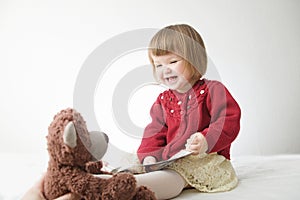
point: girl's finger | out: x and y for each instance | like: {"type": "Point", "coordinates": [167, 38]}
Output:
{"type": "Point", "coordinates": [69, 196]}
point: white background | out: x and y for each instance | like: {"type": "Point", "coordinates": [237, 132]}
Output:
{"type": "Point", "coordinates": [254, 45]}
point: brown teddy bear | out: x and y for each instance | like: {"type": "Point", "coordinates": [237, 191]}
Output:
{"type": "Point", "coordinates": [73, 159]}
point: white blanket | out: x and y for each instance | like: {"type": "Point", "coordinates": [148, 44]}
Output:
{"type": "Point", "coordinates": [260, 177]}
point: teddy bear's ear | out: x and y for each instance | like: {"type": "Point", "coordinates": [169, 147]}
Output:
{"type": "Point", "coordinates": [70, 136]}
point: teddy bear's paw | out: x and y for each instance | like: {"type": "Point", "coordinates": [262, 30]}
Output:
{"type": "Point", "coordinates": [144, 193]}
{"type": "Point", "coordinates": [94, 167]}
{"type": "Point", "coordinates": [90, 197]}
{"type": "Point", "coordinates": [122, 186]}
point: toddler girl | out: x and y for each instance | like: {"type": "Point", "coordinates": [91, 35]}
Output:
{"type": "Point", "coordinates": [195, 114]}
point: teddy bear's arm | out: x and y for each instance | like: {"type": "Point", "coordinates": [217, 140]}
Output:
{"type": "Point", "coordinates": [96, 168]}
{"type": "Point", "coordinates": [85, 184]}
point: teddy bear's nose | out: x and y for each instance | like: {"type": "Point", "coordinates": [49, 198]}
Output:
{"type": "Point", "coordinates": [106, 137]}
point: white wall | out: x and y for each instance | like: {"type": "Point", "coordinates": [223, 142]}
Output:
{"type": "Point", "coordinates": [254, 45]}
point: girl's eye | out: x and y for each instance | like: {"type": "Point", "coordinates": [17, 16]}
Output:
{"type": "Point", "coordinates": [173, 62]}
{"type": "Point", "coordinates": [157, 66]}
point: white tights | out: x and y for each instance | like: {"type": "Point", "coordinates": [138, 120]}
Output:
{"type": "Point", "coordinates": [165, 184]}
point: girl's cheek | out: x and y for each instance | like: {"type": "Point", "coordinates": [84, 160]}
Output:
{"type": "Point", "coordinates": [179, 70]}
{"type": "Point", "coordinates": [187, 75]}
{"type": "Point", "coordinates": [158, 76]}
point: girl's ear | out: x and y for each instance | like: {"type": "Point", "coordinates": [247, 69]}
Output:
{"type": "Point", "coordinates": [70, 135]}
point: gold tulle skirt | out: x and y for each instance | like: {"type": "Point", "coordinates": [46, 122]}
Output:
{"type": "Point", "coordinates": [206, 173]}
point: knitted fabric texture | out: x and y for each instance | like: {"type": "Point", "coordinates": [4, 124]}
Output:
{"type": "Point", "coordinates": [207, 173]}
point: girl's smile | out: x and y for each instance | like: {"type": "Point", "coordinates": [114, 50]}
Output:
{"type": "Point", "coordinates": [171, 79]}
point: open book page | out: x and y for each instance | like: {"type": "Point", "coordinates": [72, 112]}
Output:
{"type": "Point", "coordinates": [140, 168]}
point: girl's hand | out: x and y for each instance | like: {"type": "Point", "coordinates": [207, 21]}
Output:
{"type": "Point", "coordinates": [149, 160]}
{"type": "Point", "coordinates": [196, 144]}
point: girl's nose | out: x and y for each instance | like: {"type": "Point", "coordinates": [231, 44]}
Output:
{"type": "Point", "coordinates": [167, 69]}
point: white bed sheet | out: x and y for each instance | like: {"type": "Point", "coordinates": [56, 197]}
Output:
{"type": "Point", "coordinates": [260, 177]}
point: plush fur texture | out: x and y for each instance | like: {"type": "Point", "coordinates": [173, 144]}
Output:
{"type": "Point", "coordinates": [71, 169]}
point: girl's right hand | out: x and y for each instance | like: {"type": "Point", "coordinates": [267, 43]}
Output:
{"type": "Point", "coordinates": [197, 144]}
{"type": "Point", "coordinates": [149, 160]}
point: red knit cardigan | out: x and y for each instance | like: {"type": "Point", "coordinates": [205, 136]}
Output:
{"type": "Point", "coordinates": [207, 107]}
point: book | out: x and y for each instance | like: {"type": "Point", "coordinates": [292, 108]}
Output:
{"type": "Point", "coordinates": [142, 168]}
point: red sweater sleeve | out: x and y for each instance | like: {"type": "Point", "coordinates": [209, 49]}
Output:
{"type": "Point", "coordinates": [154, 137]}
{"type": "Point", "coordinates": [225, 118]}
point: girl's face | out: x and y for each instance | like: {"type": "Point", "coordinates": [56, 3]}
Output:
{"type": "Point", "coordinates": [170, 70]}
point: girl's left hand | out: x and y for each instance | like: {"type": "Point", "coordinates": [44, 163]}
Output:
{"type": "Point", "coordinates": [197, 144]}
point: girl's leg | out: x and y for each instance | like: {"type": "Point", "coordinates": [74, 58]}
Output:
{"type": "Point", "coordinates": [165, 184]}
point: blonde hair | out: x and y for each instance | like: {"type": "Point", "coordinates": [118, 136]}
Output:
{"type": "Point", "coordinates": [186, 42]}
